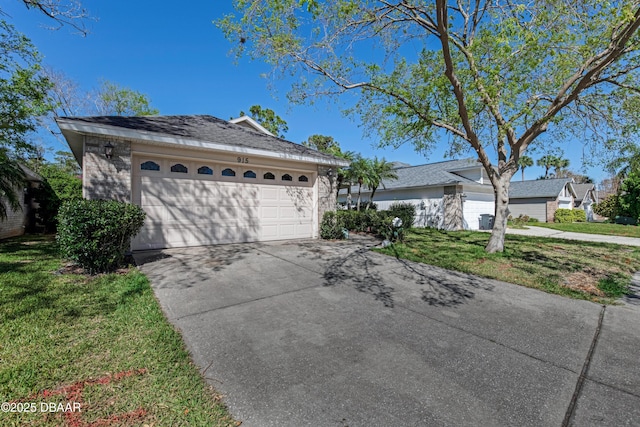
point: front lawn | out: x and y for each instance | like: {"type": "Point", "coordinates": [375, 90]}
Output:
{"type": "Point", "coordinates": [100, 346]}
{"type": "Point", "coordinates": [595, 271]}
{"type": "Point", "coordinates": [593, 228]}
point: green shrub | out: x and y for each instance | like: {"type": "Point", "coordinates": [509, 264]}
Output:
{"type": "Point", "coordinates": [349, 219]}
{"type": "Point", "coordinates": [405, 211]}
{"type": "Point", "coordinates": [579, 215]}
{"type": "Point", "coordinates": [96, 233]}
{"type": "Point", "coordinates": [332, 225]}
{"type": "Point", "coordinates": [570, 215]}
{"type": "Point", "coordinates": [360, 221]}
{"type": "Point", "coordinates": [563, 216]}
{"type": "Point", "coordinates": [390, 229]}
{"type": "Point", "coordinates": [520, 221]}
{"type": "Point", "coordinates": [609, 207]}
{"type": "Point", "coordinates": [533, 220]}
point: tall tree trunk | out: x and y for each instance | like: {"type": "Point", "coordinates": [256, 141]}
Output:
{"type": "Point", "coordinates": [373, 192]}
{"type": "Point", "coordinates": [523, 174]}
{"type": "Point", "coordinates": [501, 191]}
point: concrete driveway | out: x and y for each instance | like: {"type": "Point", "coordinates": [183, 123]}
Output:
{"type": "Point", "coordinates": [331, 334]}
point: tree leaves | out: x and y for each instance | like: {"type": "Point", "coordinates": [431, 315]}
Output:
{"type": "Point", "coordinates": [23, 90]}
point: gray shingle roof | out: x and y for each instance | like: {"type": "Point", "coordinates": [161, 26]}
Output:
{"type": "Point", "coordinates": [581, 191]}
{"type": "Point", "coordinates": [431, 174]}
{"type": "Point", "coordinates": [202, 128]}
{"type": "Point", "coordinates": [537, 188]}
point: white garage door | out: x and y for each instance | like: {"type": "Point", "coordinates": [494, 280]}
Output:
{"type": "Point", "coordinates": [193, 209]}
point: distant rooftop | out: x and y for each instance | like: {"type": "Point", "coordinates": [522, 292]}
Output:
{"type": "Point", "coordinates": [537, 188]}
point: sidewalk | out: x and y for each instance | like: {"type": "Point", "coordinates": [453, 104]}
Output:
{"type": "Point", "coordinates": [547, 232]}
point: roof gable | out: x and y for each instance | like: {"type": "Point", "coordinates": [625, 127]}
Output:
{"type": "Point", "coordinates": [248, 122]}
{"type": "Point", "coordinates": [582, 190]}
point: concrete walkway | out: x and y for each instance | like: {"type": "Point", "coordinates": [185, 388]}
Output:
{"type": "Point", "coordinates": [547, 232]}
{"type": "Point", "coordinates": [317, 333]}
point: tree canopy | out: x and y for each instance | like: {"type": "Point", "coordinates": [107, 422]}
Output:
{"type": "Point", "coordinates": [113, 99]}
{"type": "Point", "coordinates": [323, 143]}
{"type": "Point", "coordinates": [269, 119]}
{"type": "Point", "coordinates": [70, 13]}
{"type": "Point", "coordinates": [23, 90]}
{"type": "Point", "coordinates": [493, 75]}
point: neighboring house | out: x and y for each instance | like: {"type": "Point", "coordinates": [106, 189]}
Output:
{"type": "Point", "coordinates": [541, 198]}
{"type": "Point", "coordinates": [18, 221]}
{"type": "Point", "coordinates": [452, 195]}
{"type": "Point", "coordinates": [586, 196]}
{"type": "Point", "coordinates": [202, 180]}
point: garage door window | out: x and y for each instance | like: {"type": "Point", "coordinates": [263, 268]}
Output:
{"type": "Point", "coordinates": [205, 170]}
{"type": "Point", "coordinates": [287, 177]}
{"type": "Point", "coordinates": [303, 178]}
{"type": "Point", "coordinates": [149, 166]}
{"type": "Point", "coordinates": [228, 172]}
{"type": "Point", "coordinates": [269, 175]}
{"type": "Point", "coordinates": [249, 174]}
{"type": "Point", "coordinates": [179, 168]}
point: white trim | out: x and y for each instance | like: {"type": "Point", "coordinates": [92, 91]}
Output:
{"type": "Point", "coordinates": [171, 140]}
{"type": "Point", "coordinates": [257, 126]}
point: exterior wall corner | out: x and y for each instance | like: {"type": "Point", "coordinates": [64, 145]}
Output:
{"type": "Point", "coordinates": [103, 178]}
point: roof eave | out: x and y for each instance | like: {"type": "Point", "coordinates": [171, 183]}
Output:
{"type": "Point", "coordinates": [71, 127]}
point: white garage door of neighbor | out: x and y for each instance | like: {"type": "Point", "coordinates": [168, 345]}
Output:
{"type": "Point", "coordinates": [190, 212]}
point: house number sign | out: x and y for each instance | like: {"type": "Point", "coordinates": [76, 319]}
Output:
{"type": "Point", "coordinates": [242, 159]}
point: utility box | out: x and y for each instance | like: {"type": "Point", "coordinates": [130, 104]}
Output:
{"type": "Point", "coordinates": [486, 221]}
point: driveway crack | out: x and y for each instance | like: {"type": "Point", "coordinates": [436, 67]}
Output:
{"type": "Point", "coordinates": [583, 374]}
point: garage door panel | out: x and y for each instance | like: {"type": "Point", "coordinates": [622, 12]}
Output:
{"type": "Point", "coordinates": [287, 213]}
{"type": "Point", "coordinates": [303, 230]}
{"type": "Point", "coordinates": [269, 212]}
{"type": "Point", "coordinates": [287, 230]}
{"type": "Point", "coordinates": [269, 193]}
{"type": "Point", "coordinates": [186, 212]}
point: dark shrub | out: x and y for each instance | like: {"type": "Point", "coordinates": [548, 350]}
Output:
{"type": "Point", "coordinates": [405, 211]}
{"type": "Point", "coordinates": [349, 219]}
{"type": "Point", "coordinates": [332, 225]}
{"type": "Point", "coordinates": [96, 233]}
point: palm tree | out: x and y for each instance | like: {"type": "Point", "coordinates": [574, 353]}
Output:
{"type": "Point", "coordinates": [342, 174]}
{"type": "Point", "coordinates": [12, 178]}
{"type": "Point", "coordinates": [548, 161]}
{"type": "Point", "coordinates": [524, 162]}
{"type": "Point", "coordinates": [380, 170]}
{"type": "Point", "coordinates": [627, 160]}
{"type": "Point", "coordinates": [359, 171]}
{"type": "Point", "coordinates": [560, 165]}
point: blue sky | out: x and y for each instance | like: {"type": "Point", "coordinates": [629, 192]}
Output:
{"type": "Point", "coordinates": [172, 52]}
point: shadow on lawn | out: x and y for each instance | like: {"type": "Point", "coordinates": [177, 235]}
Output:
{"type": "Point", "coordinates": [375, 273]}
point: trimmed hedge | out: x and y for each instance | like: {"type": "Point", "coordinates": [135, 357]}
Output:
{"type": "Point", "coordinates": [332, 225]}
{"type": "Point", "coordinates": [96, 233]}
{"type": "Point", "coordinates": [570, 215]}
{"type": "Point", "coordinates": [405, 211]}
{"type": "Point", "coordinates": [377, 222]}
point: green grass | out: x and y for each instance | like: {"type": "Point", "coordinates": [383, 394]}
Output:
{"type": "Point", "coordinates": [593, 228]}
{"type": "Point", "coordinates": [104, 338]}
{"type": "Point", "coordinates": [594, 271]}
